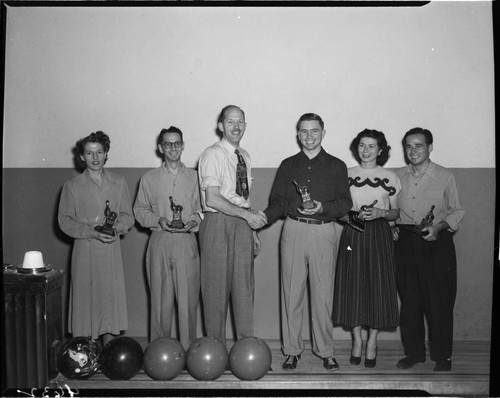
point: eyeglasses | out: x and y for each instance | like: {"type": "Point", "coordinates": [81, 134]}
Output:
{"type": "Point", "coordinates": [170, 145]}
{"type": "Point", "coordinates": [313, 132]}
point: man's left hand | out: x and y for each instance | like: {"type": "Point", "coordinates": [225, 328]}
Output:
{"type": "Point", "coordinates": [256, 244]}
{"type": "Point", "coordinates": [318, 208]}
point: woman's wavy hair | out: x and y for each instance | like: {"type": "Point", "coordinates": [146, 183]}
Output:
{"type": "Point", "coordinates": [99, 137]}
{"type": "Point", "coordinates": [381, 142]}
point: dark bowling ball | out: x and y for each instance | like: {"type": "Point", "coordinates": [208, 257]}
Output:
{"type": "Point", "coordinates": [164, 359]}
{"type": "Point", "coordinates": [79, 358]}
{"type": "Point", "coordinates": [121, 358]}
{"type": "Point", "coordinates": [250, 358]}
{"type": "Point", "coordinates": [207, 358]}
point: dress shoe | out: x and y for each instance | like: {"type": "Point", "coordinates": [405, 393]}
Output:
{"type": "Point", "coordinates": [330, 363]}
{"type": "Point", "coordinates": [443, 365]}
{"type": "Point", "coordinates": [409, 362]}
{"type": "Point", "coordinates": [355, 360]}
{"type": "Point", "coordinates": [370, 363]}
{"type": "Point", "coordinates": [291, 362]}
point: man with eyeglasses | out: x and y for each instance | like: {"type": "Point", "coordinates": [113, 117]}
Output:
{"type": "Point", "coordinates": [172, 258]}
{"type": "Point", "coordinates": [309, 239]}
{"type": "Point", "coordinates": [227, 242]}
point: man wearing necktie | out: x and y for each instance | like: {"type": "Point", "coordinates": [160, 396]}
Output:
{"type": "Point", "coordinates": [227, 243]}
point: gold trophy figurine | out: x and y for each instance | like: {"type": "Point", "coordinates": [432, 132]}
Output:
{"type": "Point", "coordinates": [305, 195]}
{"type": "Point", "coordinates": [177, 222]}
{"type": "Point", "coordinates": [357, 223]}
{"type": "Point", "coordinates": [426, 222]}
{"type": "Point", "coordinates": [107, 227]}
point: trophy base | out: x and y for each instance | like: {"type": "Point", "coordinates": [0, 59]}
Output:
{"type": "Point", "coordinates": [105, 230]}
{"type": "Point", "coordinates": [307, 205]}
{"type": "Point", "coordinates": [355, 222]}
{"type": "Point", "coordinates": [358, 225]}
{"type": "Point", "coordinates": [176, 224]}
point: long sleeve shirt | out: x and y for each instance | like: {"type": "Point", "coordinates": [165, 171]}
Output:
{"type": "Point", "coordinates": [326, 178]}
{"type": "Point", "coordinates": [156, 187]}
{"type": "Point", "coordinates": [437, 186]}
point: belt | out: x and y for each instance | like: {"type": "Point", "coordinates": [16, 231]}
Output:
{"type": "Point", "coordinates": [406, 225]}
{"type": "Point", "coordinates": [310, 220]}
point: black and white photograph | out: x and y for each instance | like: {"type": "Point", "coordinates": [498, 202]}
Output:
{"type": "Point", "coordinates": [226, 198]}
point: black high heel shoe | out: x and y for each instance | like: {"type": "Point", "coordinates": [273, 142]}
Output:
{"type": "Point", "coordinates": [370, 363]}
{"type": "Point", "coordinates": [356, 360]}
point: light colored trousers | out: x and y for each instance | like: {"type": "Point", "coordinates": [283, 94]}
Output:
{"type": "Point", "coordinates": [308, 250]}
{"type": "Point", "coordinates": [173, 269]}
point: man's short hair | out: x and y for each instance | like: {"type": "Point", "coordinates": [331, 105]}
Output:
{"type": "Point", "coordinates": [171, 129]}
{"type": "Point", "coordinates": [419, 130]}
{"type": "Point", "coordinates": [310, 116]}
{"type": "Point", "coordinates": [222, 114]}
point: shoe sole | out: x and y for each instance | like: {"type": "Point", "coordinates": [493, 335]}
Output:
{"type": "Point", "coordinates": [409, 367]}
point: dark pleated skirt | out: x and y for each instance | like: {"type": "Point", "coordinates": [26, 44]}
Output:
{"type": "Point", "coordinates": [365, 282]}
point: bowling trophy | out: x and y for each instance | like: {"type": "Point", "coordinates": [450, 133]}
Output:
{"type": "Point", "coordinates": [357, 223]}
{"type": "Point", "coordinates": [107, 227]}
{"type": "Point", "coordinates": [177, 215]}
{"type": "Point", "coordinates": [305, 195]}
{"type": "Point", "coordinates": [426, 222]}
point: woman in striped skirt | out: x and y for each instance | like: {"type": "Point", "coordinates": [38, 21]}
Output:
{"type": "Point", "coordinates": [365, 283]}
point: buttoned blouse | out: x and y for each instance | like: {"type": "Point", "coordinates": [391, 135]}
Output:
{"type": "Point", "coordinates": [435, 187]}
{"type": "Point", "coordinates": [217, 168]}
{"type": "Point", "coordinates": [156, 187]}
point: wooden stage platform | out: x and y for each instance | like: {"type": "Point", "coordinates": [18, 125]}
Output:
{"type": "Point", "coordinates": [470, 376]}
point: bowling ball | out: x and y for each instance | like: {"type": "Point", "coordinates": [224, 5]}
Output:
{"type": "Point", "coordinates": [250, 358]}
{"type": "Point", "coordinates": [206, 359]}
{"type": "Point", "coordinates": [121, 358]}
{"type": "Point", "coordinates": [79, 358]}
{"type": "Point", "coordinates": [164, 359]}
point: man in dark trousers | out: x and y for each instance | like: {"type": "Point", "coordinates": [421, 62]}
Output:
{"type": "Point", "coordinates": [310, 191]}
{"type": "Point", "coordinates": [430, 213]}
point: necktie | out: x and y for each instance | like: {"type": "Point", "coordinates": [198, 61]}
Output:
{"type": "Point", "coordinates": [241, 176]}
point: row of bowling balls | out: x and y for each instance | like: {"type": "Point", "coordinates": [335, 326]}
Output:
{"type": "Point", "coordinates": [164, 359]}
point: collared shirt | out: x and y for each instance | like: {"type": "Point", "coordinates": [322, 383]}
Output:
{"type": "Point", "coordinates": [326, 178]}
{"type": "Point", "coordinates": [217, 168]}
{"type": "Point", "coordinates": [83, 203]}
{"type": "Point", "coordinates": [436, 186]}
{"type": "Point", "coordinates": [155, 188]}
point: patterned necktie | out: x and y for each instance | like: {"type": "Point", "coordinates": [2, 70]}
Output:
{"type": "Point", "coordinates": [241, 176]}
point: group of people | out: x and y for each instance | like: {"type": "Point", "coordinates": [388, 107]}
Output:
{"type": "Point", "coordinates": [359, 236]}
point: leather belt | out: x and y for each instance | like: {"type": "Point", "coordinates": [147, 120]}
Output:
{"type": "Point", "coordinates": [406, 225]}
{"type": "Point", "coordinates": [310, 220]}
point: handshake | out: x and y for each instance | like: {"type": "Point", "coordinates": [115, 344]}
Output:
{"type": "Point", "coordinates": [256, 219]}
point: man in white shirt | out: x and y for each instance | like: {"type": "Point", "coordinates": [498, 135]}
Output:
{"type": "Point", "coordinates": [227, 243]}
